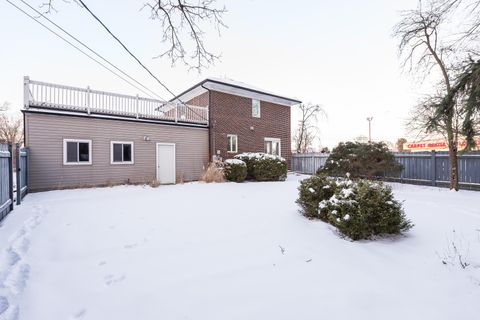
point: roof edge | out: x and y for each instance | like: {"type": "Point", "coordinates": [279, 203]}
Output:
{"type": "Point", "coordinates": [234, 86]}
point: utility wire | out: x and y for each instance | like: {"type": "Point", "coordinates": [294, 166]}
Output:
{"type": "Point", "coordinates": [134, 57]}
{"type": "Point", "coordinates": [74, 46]}
{"type": "Point", "coordinates": [124, 47]}
{"type": "Point", "coordinates": [91, 50]}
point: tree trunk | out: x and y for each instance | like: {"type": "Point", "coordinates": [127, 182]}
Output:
{"type": "Point", "coordinates": [453, 156]}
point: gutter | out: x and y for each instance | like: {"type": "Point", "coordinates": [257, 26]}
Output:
{"type": "Point", "coordinates": [233, 86]}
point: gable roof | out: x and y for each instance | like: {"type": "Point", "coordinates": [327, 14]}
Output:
{"type": "Point", "coordinates": [236, 88]}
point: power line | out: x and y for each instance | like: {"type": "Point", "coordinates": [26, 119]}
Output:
{"type": "Point", "coordinates": [136, 59]}
{"type": "Point", "coordinates": [77, 48]}
{"type": "Point", "coordinates": [124, 47]}
{"type": "Point", "coordinates": [91, 50]}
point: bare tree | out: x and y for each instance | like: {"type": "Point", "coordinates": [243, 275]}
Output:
{"type": "Point", "coordinates": [361, 139]}
{"type": "Point", "coordinates": [468, 21]}
{"type": "Point", "coordinates": [400, 143]}
{"type": "Point", "coordinates": [182, 27]}
{"type": "Point", "coordinates": [11, 128]}
{"type": "Point", "coordinates": [307, 130]}
{"type": "Point", "coordinates": [422, 50]}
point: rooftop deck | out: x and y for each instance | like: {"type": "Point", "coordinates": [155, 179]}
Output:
{"type": "Point", "coordinates": [54, 97]}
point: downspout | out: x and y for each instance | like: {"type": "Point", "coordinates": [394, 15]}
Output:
{"type": "Point", "coordinates": [211, 138]}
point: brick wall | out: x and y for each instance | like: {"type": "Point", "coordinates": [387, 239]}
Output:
{"type": "Point", "coordinates": [230, 114]}
{"type": "Point", "coordinates": [200, 101]}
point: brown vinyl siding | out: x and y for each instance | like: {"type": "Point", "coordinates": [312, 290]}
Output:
{"type": "Point", "coordinates": [45, 133]}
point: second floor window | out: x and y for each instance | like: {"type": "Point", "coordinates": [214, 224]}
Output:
{"type": "Point", "coordinates": [255, 108]}
{"type": "Point", "coordinates": [232, 143]}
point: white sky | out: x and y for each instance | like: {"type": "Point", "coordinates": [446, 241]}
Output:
{"type": "Point", "coordinates": [339, 54]}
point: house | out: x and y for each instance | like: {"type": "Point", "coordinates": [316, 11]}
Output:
{"type": "Point", "coordinates": [243, 118]}
{"type": "Point", "coordinates": [81, 137]}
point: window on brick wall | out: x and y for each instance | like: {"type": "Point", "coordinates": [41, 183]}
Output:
{"type": "Point", "coordinates": [273, 146]}
{"type": "Point", "coordinates": [255, 108]}
{"type": "Point", "coordinates": [232, 143]}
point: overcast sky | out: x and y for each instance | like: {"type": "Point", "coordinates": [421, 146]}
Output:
{"type": "Point", "coordinates": [339, 54]}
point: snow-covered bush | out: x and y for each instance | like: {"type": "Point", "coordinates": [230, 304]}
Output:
{"type": "Point", "coordinates": [264, 167]}
{"type": "Point", "coordinates": [312, 191]}
{"type": "Point", "coordinates": [361, 160]}
{"type": "Point", "coordinates": [235, 170]}
{"type": "Point", "coordinates": [359, 209]}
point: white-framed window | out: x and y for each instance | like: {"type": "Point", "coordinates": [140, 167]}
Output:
{"type": "Point", "coordinates": [77, 152]}
{"type": "Point", "coordinates": [255, 108]}
{"type": "Point", "coordinates": [232, 143]}
{"type": "Point", "coordinates": [273, 146]}
{"type": "Point", "coordinates": [121, 152]}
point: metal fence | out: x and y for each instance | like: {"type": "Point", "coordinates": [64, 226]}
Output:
{"type": "Point", "coordinates": [430, 168]}
{"type": "Point", "coordinates": [8, 187]}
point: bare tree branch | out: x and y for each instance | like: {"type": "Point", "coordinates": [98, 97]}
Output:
{"type": "Point", "coordinates": [307, 129]}
{"type": "Point", "coordinates": [11, 127]}
{"type": "Point", "coordinates": [179, 17]}
{"type": "Point", "coordinates": [182, 27]}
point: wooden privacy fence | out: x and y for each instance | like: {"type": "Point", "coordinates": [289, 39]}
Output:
{"type": "Point", "coordinates": [430, 168]}
{"type": "Point", "coordinates": [433, 168]}
{"type": "Point", "coordinates": [22, 176]}
{"type": "Point", "coordinates": [7, 183]}
{"type": "Point", "coordinates": [6, 180]}
{"type": "Point", "coordinates": [308, 163]}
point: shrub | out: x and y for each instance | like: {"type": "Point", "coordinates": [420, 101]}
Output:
{"type": "Point", "coordinates": [213, 173]}
{"type": "Point", "coordinates": [359, 210]}
{"type": "Point", "coordinates": [248, 159]}
{"type": "Point", "coordinates": [264, 167]}
{"type": "Point", "coordinates": [361, 160]}
{"type": "Point", "coordinates": [312, 191]}
{"type": "Point", "coordinates": [154, 183]}
{"type": "Point", "coordinates": [235, 170]}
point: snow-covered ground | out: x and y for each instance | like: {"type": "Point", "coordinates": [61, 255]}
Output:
{"type": "Point", "coordinates": [232, 251]}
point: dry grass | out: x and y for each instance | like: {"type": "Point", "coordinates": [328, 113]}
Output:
{"type": "Point", "coordinates": [154, 183]}
{"type": "Point", "coordinates": [213, 173]}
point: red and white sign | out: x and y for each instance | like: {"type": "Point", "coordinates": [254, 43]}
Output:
{"type": "Point", "coordinates": [438, 145]}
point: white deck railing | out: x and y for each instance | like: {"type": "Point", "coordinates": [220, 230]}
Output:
{"type": "Point", "coordinates": [59, 97]}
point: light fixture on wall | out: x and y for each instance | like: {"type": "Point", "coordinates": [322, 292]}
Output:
{"type": "Point", "coordinates": [146, 138]}
{"type": "Point", "coordinates": [252, 128]}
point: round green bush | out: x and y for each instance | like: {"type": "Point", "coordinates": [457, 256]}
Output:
{"type": "Point", "coordinates": [312, 191]}
{"type": "Point", "coordinates": [248, 159]}
{"type": "Point", "coordinates": [361, 160]}
{"type": "Point", "coordinates": [359, 209]}
{"type": "Point", "coordinates": [235, 170]}
{"type": "Point", "coordinates": [264, 167]}
{"type": "Point", "coordinates": [364, 209]}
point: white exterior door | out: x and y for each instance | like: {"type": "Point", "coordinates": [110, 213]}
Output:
{"type": "Point", "coordinates": [166, 163]}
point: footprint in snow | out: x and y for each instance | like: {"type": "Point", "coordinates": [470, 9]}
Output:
{"type": "Point", "coordinates": [102, 263]}
{"type": "Point", "coordinates": [130, 246]}
{"type": "Point", "coordinates": [3, 304]}
{"type": "Point", "coordinates": [79, 314]}
{"type": "Point", "coordinates": [17, 279]}
{"type": "Point", "coordinates": [110, 279]}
